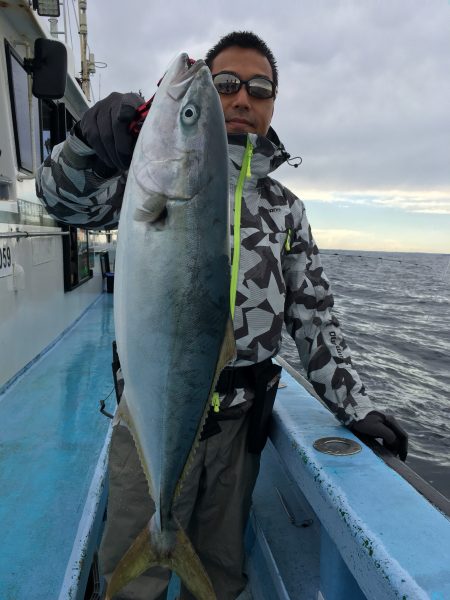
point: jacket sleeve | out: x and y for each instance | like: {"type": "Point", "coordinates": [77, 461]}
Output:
{"type": "Point", "coordinates": [78, 189]}
{"type": "Point", "coordinates": [316, 331]}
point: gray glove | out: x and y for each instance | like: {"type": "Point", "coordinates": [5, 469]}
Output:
{"type": "Point", "coordinates": [105, 128]}
{"type": "Point", "coordinates": [378, 425]}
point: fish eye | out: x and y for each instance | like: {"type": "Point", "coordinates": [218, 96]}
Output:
{"type": "Point", "coordinates": [189, 114]}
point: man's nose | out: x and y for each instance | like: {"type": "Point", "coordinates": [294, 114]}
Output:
{"type": "Point", "coordinates": [241, 99]}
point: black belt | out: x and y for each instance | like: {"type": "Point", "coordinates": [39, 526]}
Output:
{"type": "Point", "coordinates": [232, 378]}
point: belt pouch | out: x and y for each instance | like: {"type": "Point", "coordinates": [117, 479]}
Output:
{"type": "Point", "coordinates": [267, 376]}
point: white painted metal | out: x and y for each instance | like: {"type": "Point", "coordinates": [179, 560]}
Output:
{"type": "Point", "coordinates": [6, 258]}
{"type": "Point", "coordinates": [35, 308]}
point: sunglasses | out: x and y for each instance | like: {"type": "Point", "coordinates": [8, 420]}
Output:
{"type": "Point", "coordinates": [258, 87]}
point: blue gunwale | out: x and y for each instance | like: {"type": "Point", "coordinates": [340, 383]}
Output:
{"type": "Point", "coordinates": [393, 542]}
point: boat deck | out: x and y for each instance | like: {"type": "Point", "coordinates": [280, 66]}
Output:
{"type": "Point", "coordinates": [52, 461]}
{"type": "Point", "coordinates": [322, 527]}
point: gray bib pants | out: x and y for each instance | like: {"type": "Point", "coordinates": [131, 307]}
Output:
{"type": "Point", "coordinates": [213, 508]}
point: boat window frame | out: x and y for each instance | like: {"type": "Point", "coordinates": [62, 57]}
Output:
{"type": "Point", "coordinates": [71, 118]}
{"type": "Point", "coordinates": [10, 55]}
{"type": "Point", "coordinates": [54, 125]}
{"type": "Point", "coordinates": [71, 249]}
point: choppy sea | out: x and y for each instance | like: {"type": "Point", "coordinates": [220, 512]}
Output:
{"type": "Point", "coordinates": [394, 309]}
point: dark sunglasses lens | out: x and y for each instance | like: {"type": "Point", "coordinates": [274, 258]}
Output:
{"type": "Point", "coordinates": [260, 87]}
{"type": "Point", "coordinates": [225, 83]}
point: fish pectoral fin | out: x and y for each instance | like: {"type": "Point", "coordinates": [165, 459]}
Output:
{"type": "Point", "coordinates": [181, 558]}
{"type": "Point", "coordinates": [153, 209]}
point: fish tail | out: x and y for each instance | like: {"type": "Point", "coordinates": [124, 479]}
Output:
{"type": "Point", "coordinates": [180, 558]}
{"type": "Point", "coordinates": [186, 564]}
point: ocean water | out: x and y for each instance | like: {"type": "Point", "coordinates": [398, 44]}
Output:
{"type": "Point", "coordinates": [394, 310]}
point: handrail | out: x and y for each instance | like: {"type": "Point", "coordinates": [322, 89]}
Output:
{"type": "Point", "coordinates": [22, 234]}
{"type": "Point", "coordinates": [424, 488]}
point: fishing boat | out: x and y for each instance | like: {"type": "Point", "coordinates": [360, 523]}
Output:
{"type": "Point", "coordinates": [49, 277]}
{"type": "Point", "coordinates": [332, 519]}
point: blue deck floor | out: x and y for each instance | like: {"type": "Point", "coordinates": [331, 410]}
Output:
{"type": "Point", "coordinates": [51, 438]}
{"type": "Point", "coordinates": [369, 527]}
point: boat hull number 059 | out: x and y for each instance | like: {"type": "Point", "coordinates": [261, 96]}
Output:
{"type": "Point", "coordinates": [6, 259]}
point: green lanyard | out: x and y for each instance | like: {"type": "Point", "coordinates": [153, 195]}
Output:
{"type": "Point", "coordinates": [244, 173]}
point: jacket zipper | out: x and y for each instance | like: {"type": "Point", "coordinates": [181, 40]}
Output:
{"type": "Point", "coordinates": [245, 173]}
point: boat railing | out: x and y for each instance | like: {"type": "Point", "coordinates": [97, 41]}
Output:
{"type": "Point", "coordinates": [431, 494]}
{"type": "Point", "coordinates": [379, 537]}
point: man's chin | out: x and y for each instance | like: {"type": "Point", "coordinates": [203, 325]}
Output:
{"type": "Point", "coordinates": [239, 128]}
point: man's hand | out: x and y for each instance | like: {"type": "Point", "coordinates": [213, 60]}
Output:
{"type": "Point", "coordinates": [379, 425]}
{"type": "Point", "coordinates": [105, 128]}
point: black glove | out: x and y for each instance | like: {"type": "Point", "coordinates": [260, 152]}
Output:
{"type": "Point", "coordinates": [105, 128]}
{"type": "Point", "coordinates": [379, 425]}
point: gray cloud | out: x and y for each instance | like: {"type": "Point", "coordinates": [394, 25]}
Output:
{"type": "Point", "coordinates": [364, 86]}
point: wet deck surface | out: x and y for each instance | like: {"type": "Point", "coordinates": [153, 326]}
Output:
{"type": "Point", "coordinates": [52, 463]}
{"type": "Point", "coordinates": [51, 437]}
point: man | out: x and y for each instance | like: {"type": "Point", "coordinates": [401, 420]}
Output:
{"type": "Point", "coordinates": [279, 278]}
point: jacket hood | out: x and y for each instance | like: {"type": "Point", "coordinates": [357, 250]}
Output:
{"type": "Point", "coordinates": [268, 152]}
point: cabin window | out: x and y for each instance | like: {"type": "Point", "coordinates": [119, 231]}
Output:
{"type": "Point", "coordinates": [18, 86]}
{"type": "Point", "coordinates": [50, 135]}
{"type": "Point", "coordinates": [76, 251]}
{"type": "Point", "coordinates": [70, 121]}
{"type": "Point", "coordinates": [83, 254]}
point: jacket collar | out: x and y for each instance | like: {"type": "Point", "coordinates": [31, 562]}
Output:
{"type": "Point", "coordinates": [268, 152]}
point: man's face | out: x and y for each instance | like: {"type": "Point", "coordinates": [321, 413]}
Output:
{"type": "Point", "coordinates": [244, 113]}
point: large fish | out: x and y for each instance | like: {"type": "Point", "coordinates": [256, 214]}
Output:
{"type": "Point", "coordinates": [172, 314]}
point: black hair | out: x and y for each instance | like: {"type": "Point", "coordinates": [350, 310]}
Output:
{"type": "Point", "coordinates": [244, 39]}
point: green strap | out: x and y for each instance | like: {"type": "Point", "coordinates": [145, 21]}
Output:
{"type": "Point", "coordinates": [215, 402]}
{"type": "Point", "coordinates": [245, 172]}
{"type": "Point", "coordinates": [287, 243]}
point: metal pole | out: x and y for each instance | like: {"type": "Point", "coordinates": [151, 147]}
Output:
{"type": "Point", "coordinates": [65, 20]}
{"type": "Point", "coordinates": [82, 5]}
{"type": "Point", "coordinates": [27, 234]}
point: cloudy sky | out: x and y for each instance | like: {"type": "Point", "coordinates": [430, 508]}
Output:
{"type": "Point", "coordinates": [364, 98]}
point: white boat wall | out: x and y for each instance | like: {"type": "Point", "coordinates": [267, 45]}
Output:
{"type": "Point", "coordinates": [43, 287]}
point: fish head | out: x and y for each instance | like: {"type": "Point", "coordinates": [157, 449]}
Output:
{"type": "Point", "coordinates": [183, 134]}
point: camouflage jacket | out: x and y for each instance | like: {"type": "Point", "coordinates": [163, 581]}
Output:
{"type": "Point", "coordinates": [280, 277]}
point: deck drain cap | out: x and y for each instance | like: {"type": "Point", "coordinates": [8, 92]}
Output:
{"type": "Point", "coordinates": [337, 445]}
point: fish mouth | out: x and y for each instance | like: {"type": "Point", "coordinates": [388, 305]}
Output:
{"type": "Point", "coordinates": [182, 80]}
